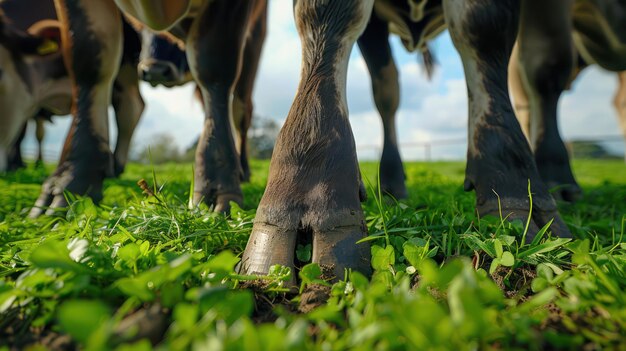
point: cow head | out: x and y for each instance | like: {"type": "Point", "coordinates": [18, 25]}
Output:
{"type": "Point", "coordinates": [163, 61]}
{"type": "Point", "coordinates": [31, 66]}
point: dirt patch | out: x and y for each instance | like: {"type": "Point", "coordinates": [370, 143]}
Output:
{"type": "Point", "coordinates": [266, 304]}
{"type": "Point", "coordinates": [313, 296]}
{"type": "Point", "coordinates": [514, 283]}
{"type": "Point", "coordinates": [149, 322]}
{"type": "Point", "coordinates": [17, 333]}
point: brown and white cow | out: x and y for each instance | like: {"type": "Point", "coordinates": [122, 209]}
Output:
{"type": "Point", "coordinates": [215, 33]}
{"type": "Point", "coordinates": [25, 62]}
{"type": "Point", "coordinates": [39, 85]}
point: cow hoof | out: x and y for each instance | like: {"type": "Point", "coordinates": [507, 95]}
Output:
{"type": "Point", "coordinates": [556, 173]}
{"type": "Point", "coordinates": [362, 191]}
{"type": "Point", "coordinates": [82, 181]}
{"type": "Point", "coordinates": [245, 176]}
{"type": "Point", "coordinates": [565, 192]}
{"type": "Point", "coordinates": [396, 190]}
{"type": "Point", "coordinates": [539, 218]}
{"type": "Point", "coordinates": [118, 169]}
{"type": "Point", "coordinates": [269, 245]}
{"type": "Point", "coordinates": [220, 203]}
{"type": "Point", "coordinates": [335, 249]}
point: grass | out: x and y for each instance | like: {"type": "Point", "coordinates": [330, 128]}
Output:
{"type": "Point", "coordinates": [142, 272]}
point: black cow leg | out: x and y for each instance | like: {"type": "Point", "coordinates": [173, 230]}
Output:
{"type": "Point", "coordinates": [214, 53]}
{"type": "Point", "coordinates": [500, 164]}
{"type": "Point", "coordinates": [546, 58]}
{"type": "Point", "coordinates": [313, 185]}
{"type": "Point", "coordinates": [242, 102]}
{"type": "Point", "coordinates": [374, 45]}
{"type": "Point", "coordinates": [93, 55]}
{"type": "Point", "coordinates": [15, 160]}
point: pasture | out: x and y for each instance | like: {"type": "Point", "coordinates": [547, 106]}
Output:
{"type": "Point", "coordinates": [143, 271]}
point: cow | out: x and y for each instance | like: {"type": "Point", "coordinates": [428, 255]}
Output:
{"type": "Point", "coordinates": [163, 61]}
{"type": "Point", "coordinates": [23, 54]}
{"type": "Point", "coordinates": [561, 180]}
{"type": "Point", "coordinates": [215, 34]}
{"type": "Point", "coordinates": [541, 71]}
{"type": "Point", "coordinates": [161, 50]}
{"type": "Point", "coordinates": [39, 85]}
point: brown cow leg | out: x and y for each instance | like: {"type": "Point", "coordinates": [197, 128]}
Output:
{"type": "Point", "coordinates": [313, 183]}
{"type": "Point", "coordinates": [242, 102]}
{"type": "Point", "coordinates": [500, 164]}
{"type": "Point", "coordinates": [92, 41]}
{"type": "Point", "coordinates": [547, 59]}
{"type": "Point", "coordinates": [620, 102]}
{"type": "Point", "coordinates": [374, 45]}
{"type": "Point", "coordinates": [128, 106]}
{"type": "Point", "coordinates": [214, 48]}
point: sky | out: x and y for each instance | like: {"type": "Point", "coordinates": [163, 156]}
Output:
{"type": "Point", "coordinates": [432, 111]}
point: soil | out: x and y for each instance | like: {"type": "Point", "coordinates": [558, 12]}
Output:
{"type": "Point", "coordinates": [313, 296]}
{"type": "Point", "coordinates": [16, 333]}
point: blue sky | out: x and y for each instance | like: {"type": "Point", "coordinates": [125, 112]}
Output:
{"type": "Point", "coordinates": [429, 110]}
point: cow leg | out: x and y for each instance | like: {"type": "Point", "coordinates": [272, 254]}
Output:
{"type": "Point", "coordinates": [40, 133]}
{"type": "Point", "coordinates": [128, 105]}
{"type": "Point", "coordinates": [374, 45]}
{"type": "Point", "coordinates": [547, 60]}
{"type": "Point", "coordinates": [620, 102]}
{"type": "Point", "coordinates": [15, 160]}
{"type": "Point", "coordinates": [126, 98]}
{"type": "Point", "coordinates": [214, 47]}
{"type": "Point", "coordinates": [500, 164]}
{"type": "Point", "coordinates": [518, 93]}
{"type": "Point", "coordinates": [313, 185]}
{"type": "Point", "coordinates": [92, 43]}
{"type": "Point", "coordinates": [242, 101]}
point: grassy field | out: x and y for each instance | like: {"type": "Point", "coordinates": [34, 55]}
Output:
{"type": "Point", "coordinates": [144, 272]}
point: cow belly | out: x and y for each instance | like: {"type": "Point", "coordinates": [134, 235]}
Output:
{"type": "Point", "coordinates": [159, 14]}
{"type": "Point", "coordinates": [596, 40]}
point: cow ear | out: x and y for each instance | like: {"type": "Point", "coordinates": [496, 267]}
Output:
{"type": "Point", "coordinates": [22, 43]}
{"type": "Point", "coordinates": [50, 33]}
{"type": "Point", "coordinates": [47, 47]}
{"type": "Point", "coordinates": [31, 45]}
